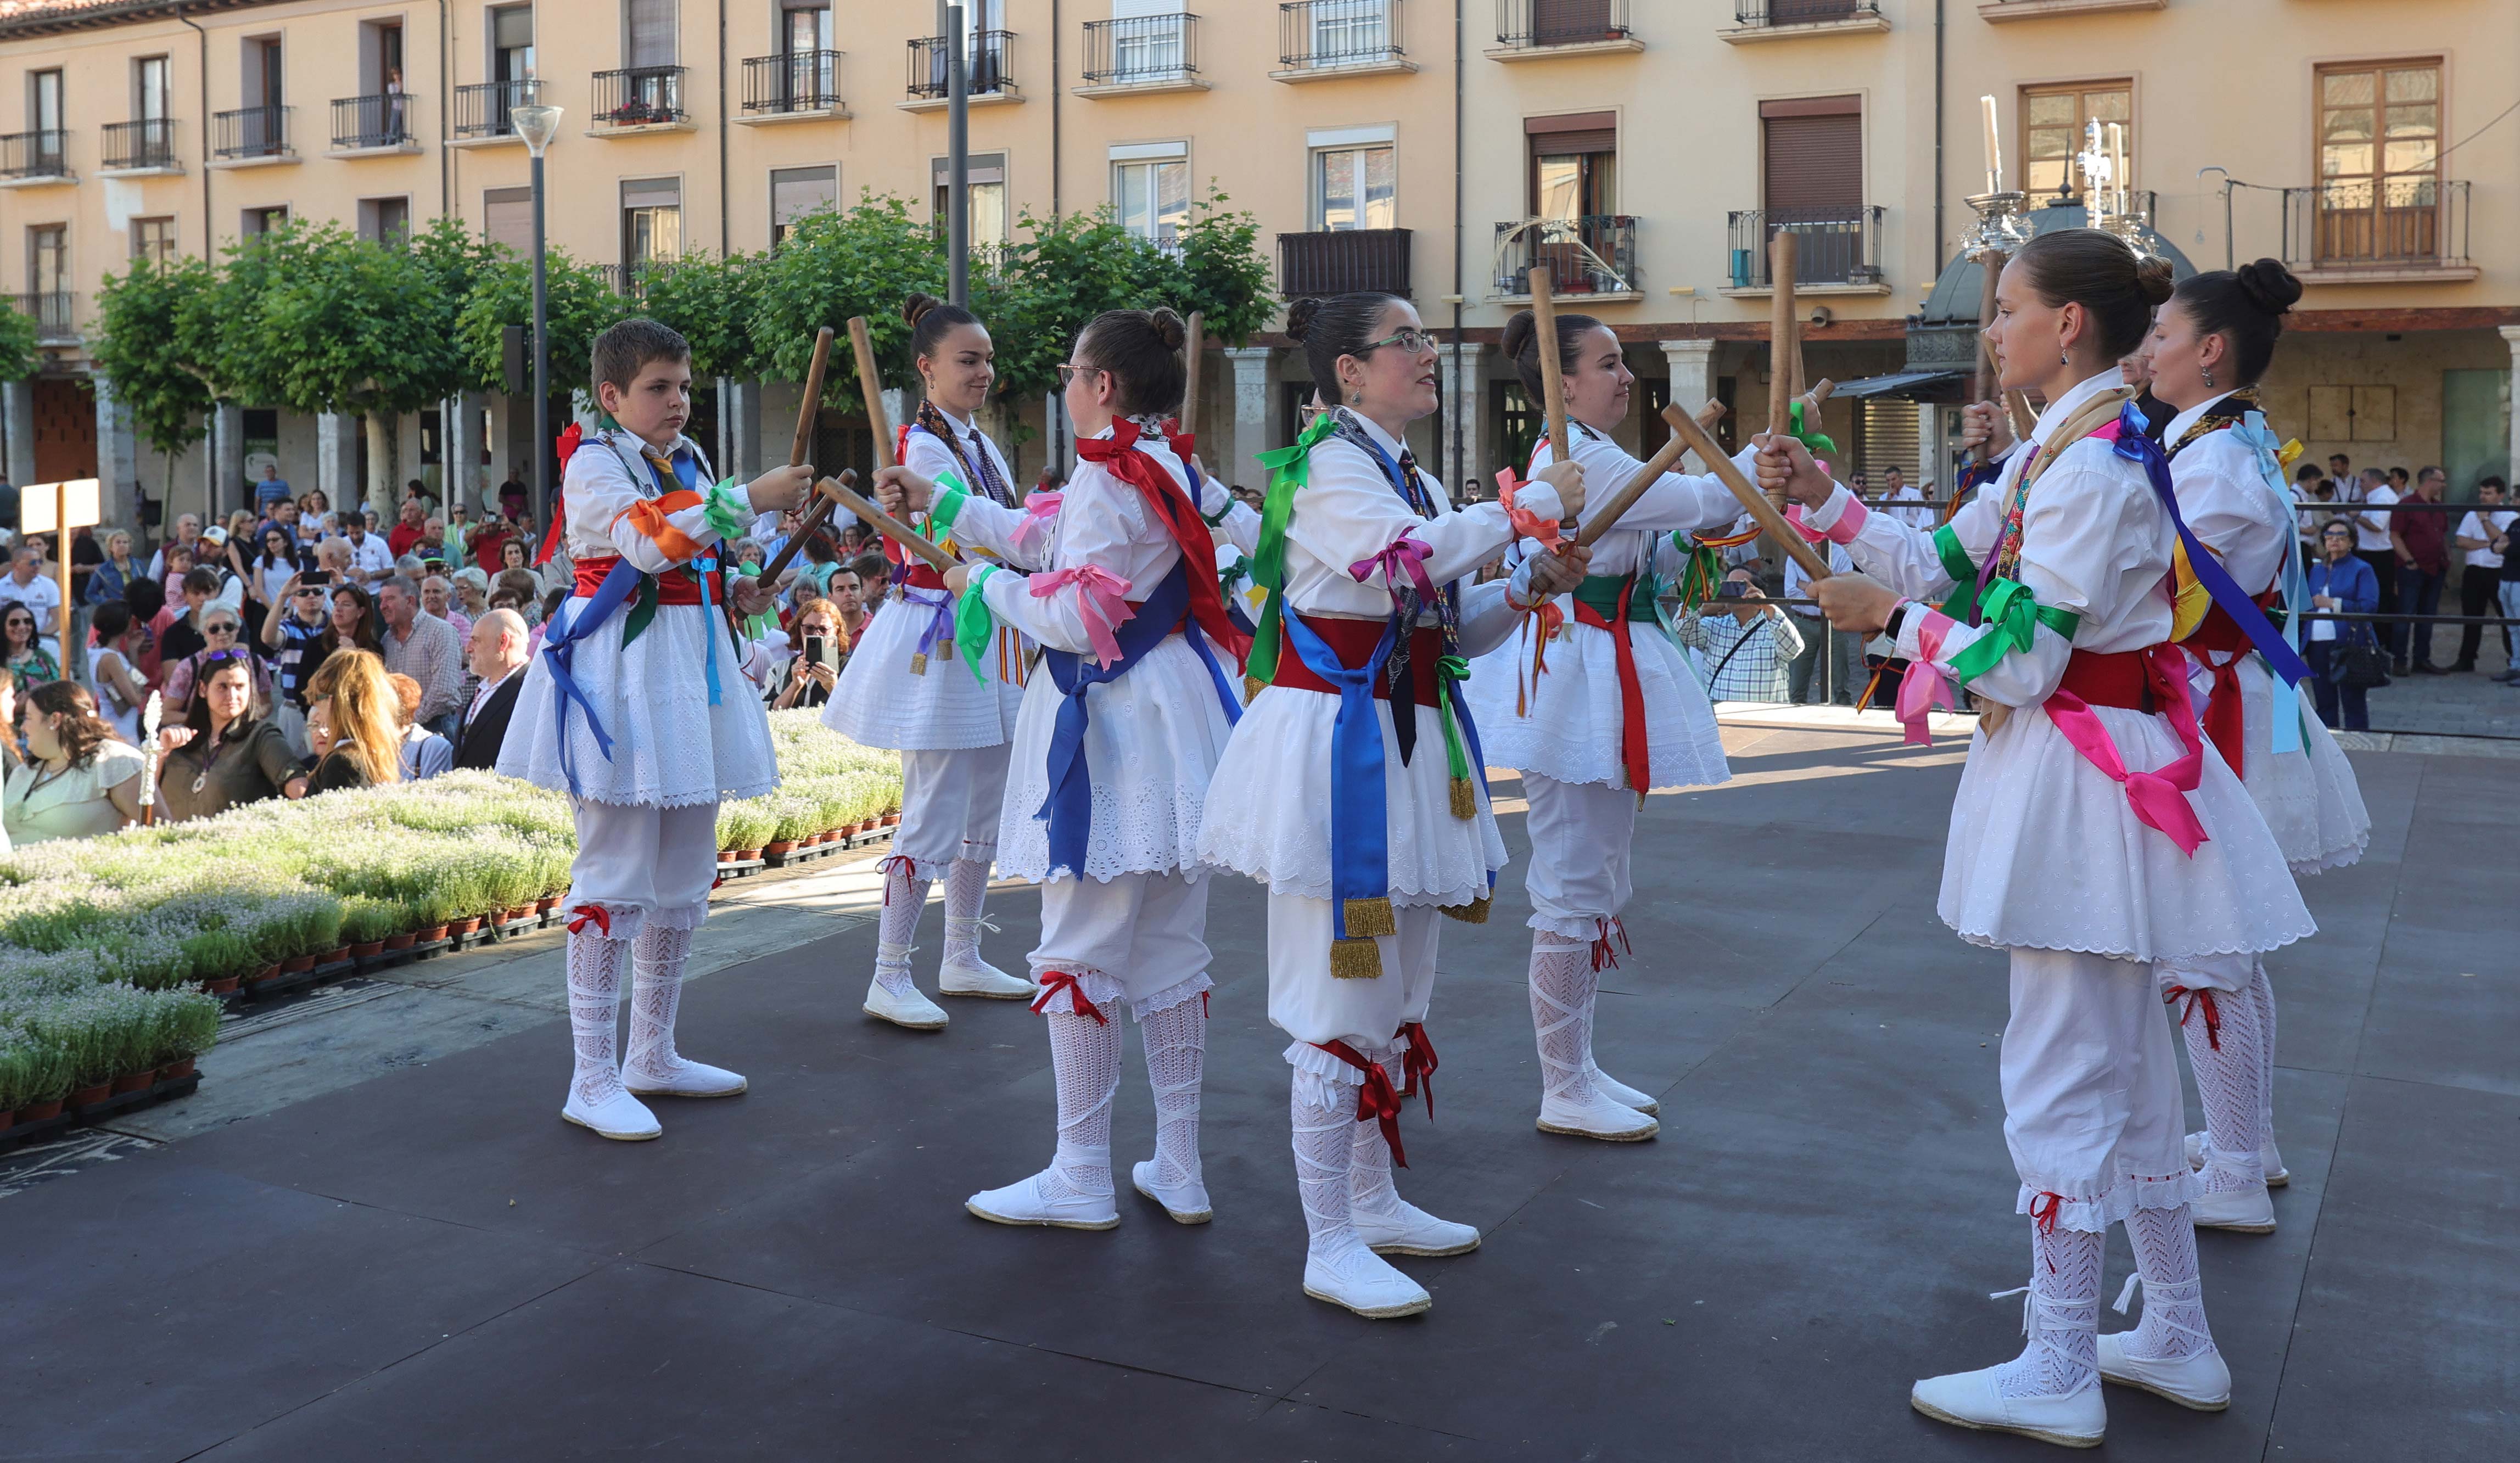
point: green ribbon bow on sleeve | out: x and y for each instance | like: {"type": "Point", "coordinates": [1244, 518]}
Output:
{"type": "Point", "coordinates": [1815, 441]}
{"type": "Point", "coordinates": [1289, 470]}
{"type": "Point", "coordinates": [724, 515]}
{"type": "Point", "coordinates": [973, 625]}
{"type": "Point", "coordinates": [2012, 617]}
{"type": "Point", "coordinates": [1962, 605]}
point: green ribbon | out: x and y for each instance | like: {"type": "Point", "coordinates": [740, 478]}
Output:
{"type": "Point", "coordinates": [1699, 574]}
{"type": "Point", "coordinates": [641, 610]}
{"type": "Point", "coordinates": [2012, 617]}
{"type": "Point", "coordinates": [1451, 668]}
{"type": "Point", "coordinates": [1962, 605]}
{"type": "Point", "coordinates": [974, 626]}
{"type": "Point", "coordinates": [948, 506]}
{"type": "Point", "coordinates": [1289, 470]}
{"type": "Point", "coordinates": [723, 513]}
{"type": "Point", "coordinates": [1816, 442]}
{"type": "Point", "coordinates": [1600, 591]}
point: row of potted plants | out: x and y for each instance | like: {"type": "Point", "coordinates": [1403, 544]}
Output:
{"type": "Point", "coordinates": [68, 1040]}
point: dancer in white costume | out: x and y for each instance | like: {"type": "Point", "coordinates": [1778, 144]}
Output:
{"type": "Point", "coordinates": [1121, 726]}
{"type": "Point", "coordinates": [2096, 833]}
{"type": "Point", "coordinates": [636, 708]}
{"type": "Point", "coordinates": [2209, 348]}
{"type": "Point", "coordinates": [901, 690]}
{"type": "Point", "coordinates": [1614, 714]}
{"type": "Point", "coordinates": [1353, 786]}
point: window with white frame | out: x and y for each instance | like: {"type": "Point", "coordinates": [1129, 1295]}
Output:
{"type": "Point", "coordinates": [1353, 188]}
{"type": "Point", "coordinates": [1151, 189]}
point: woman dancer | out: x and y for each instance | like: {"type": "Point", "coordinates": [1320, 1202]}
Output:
{"type": "Point", "coordinates": [1613, 714]}
{"type": "Point", "coordinates": [1353, 786]}
{"type": "Point", "coordinates": [2209, 349]}
{"type": "Point", "coordinates": [1113, 747]}
{"type": "Point", "coordinates": [2091, 837]}
{"type": "Point", "coordinates": [899, 690]}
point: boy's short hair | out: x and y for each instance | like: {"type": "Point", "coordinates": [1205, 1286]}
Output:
{"type": "Point", "coordinates": [872, 567]}
{"type": "Point", "coordinates": [624, 350]}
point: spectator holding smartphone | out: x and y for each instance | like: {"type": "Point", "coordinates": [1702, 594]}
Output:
{"type": "Point", "coordinates": [807, 678]}
{"type": "Point", "coordinates": [1748, 645]}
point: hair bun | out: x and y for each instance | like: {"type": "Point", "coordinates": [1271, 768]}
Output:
{"type": "Point", "coordinates": [2154, 277]}
{"type": "Point", "coordinates": [1300, 315]}
{"type": "Point", "coordinates": [2270, 286]}
{"type": "Point", "coordinates": [916, 305]}
{"type": "Point", "coordinates": [1520, 330]}
{"type": "Point", "coordinates": [1168, 326]}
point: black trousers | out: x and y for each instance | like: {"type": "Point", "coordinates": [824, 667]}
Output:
{"type": "Point", "coordinates": [2477, 596]}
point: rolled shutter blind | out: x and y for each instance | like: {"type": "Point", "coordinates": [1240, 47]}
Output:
{"type": "Point", "coordinates": [513, 28]}
{"type": "Point", "coordinates": [652, 32]}
{"type": "Point", "coordinates": [1814, 163]}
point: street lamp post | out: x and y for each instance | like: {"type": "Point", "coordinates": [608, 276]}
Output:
{"type": "Point", "coordinates": [537, 124]}
{"type": "Point", "coordinates": [958, 157]}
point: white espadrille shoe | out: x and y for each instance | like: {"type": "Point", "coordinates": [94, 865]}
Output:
{"type": "Point", "coordinates": [1594, 1116]}
{"type": "Point", "coordinates": [683, 1078]}
{"type": "Point", "coordinates": [910, 1009]}
{"type": "Point", "coordinates": [616, 1115]}
{"type": "Point", "coordinates": [2202, 1381]}
{"type": "Point", "coordinates": [1187, 1202]}
{"type": "Point", "coordinates": [2243, 1211]}
{"type": "Point", "coordinates": [1972, 1399]}
{"type": "Point", "coordinates": [1622, 1095]}
{"type": "Point", "coordinates": [1403, 1229]}
{"type": "Point", "coordinates": [1045, 1199]}
{"type": "Point", "coordinates": [981, 979]}
{"type": "Point", "coordinates": [2200, 1152]}
{"type": "Point", "coordinates": [1363, 1282]}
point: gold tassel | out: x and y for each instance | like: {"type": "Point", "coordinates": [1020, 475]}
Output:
{"type": "Point", "coordinates": [1466, 804]}
{"type": "Point", "coordinates": [1251, 687]}
{"type": "Point", "coordinates": [918, 662]}
{"type": "Point", "coordinates": [1369, 916]}
{"type": "Point", "coordinates": [1356, 959]}
{"type": "Point", "coordinates": [1473, 912]}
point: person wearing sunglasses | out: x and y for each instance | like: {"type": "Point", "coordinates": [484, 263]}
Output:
{"type": "Point", "coordinates": [222, 634]}
{"type": "Point", "coordinates": [229, 751]}
{"type": "Point", "coordinates": [21, 648]}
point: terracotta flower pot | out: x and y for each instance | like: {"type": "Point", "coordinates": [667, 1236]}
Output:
{"type": "Point", "coordinates": [744, 855]}
{"type": "Point", "coordinates": [367, 948]}
{"type": "Point", "coordinates": [891, 818]}
{"type": "Point", "coordinates": [224, 986]}
{"type": "Point", "coordinates": [134, 1082]}
{"type": "Point", "coordinates": [464, 926]}
{"type": "Point", "coordinates": [517, 915]}
{"type": "Point", "coordinates": [399, 941]}
{"type": "Point", "coordinates": [176, 1069]}
{"type": "Point", "coordinates": [266, 973]}
{"type": "Point", "coordinates": [336, 956]}
{"type": "Point", "coordinates": [91, 1096]}
{"type": "Point", "coordinates": [778, 846]}
{"type": "Point", "coordinates": [8, 1121]}
{"type": "Point", "coordinates": [40, 1112]}
{"type": "Point", "coordinates": [297, 965]}
{"type": "Point", "coordinates": [547, 904]}
{"type": "Point", "coordinates": [429, 934]}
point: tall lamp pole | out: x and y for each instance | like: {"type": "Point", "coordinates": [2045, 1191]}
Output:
{"type": "Point", "coordinates": [958, 160]}
{"type": "Point", "coordinates": [538, 124]}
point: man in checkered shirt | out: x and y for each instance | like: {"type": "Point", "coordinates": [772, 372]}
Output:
{"type": "Point", "coordinates": [1746, 648]}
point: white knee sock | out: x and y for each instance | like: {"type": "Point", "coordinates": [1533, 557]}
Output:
{"type": "Point", "coordinates": [1324, 1116]}
{"type": "Point", "coordinates": [2262, 995]}
{"type": "Point", "coordinates": [594, 1008]}
{"type": "Point", "coordinates": [2224, 1046]}
{"type": "Point", "coordinates": [2062, 1316]}
{"type": "Point", "coordinates": [657, 960]}
{"type": "Point", "coordinates": [1563, 988]}
{"type": "Point", "coordinates": [1176, 1042]}
{"type": "Point", "coordinates": [1085, 1057]}
{"type": "Point", "coordinates": [2173, 1292]}
{"type": "Point", "coordinates": [904, 895]}
{"type": "Point", "coordinates": [967, 890]}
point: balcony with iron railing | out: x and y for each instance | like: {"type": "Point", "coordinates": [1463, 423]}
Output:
{"type": "Point", "coordinates": [1341, 261]}
{"type": "Point", "coordinates": [147, 146]}
{"type": "Point", "coordinates": [372, 124]}
{"type": "Point", "coordinates": [1530, 29]}
{"type": "Point", "coordinates": [987, 76]}
{"type": "Point", "coordinates": [1595, 255]}
{"type": "Point", "coordinates": [1319, 39]}
{"type": "Point", "coordinates": [639, 98]}
{"type": "Point", "coordinates": [53, 311]}
{"type": "Point", "coordinates": [2393, 230]}
{"type": "Point", "coordinates": [1792, 20]}
{"type": "Point", "coordinates": [1837, 250]}
{"type": "Point", "coordinates": [251, 135]}
{"type": "Point", "coordinates": [630, 281]}
{"type": "Point", "coordinates": [1142, 53]}
{"type": "Point", "coordinates": [793, 86]}
{"type": "Point", "coordinates": [482, 110]}
{"type": "Point", "coordinates": [29, 158]}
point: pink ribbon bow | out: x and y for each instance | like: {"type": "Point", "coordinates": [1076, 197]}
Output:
{"type": "Point", "coordinates": [1099, 604]}
{"type": "Point", "coordinates": [1526, 523]}
{"type": "Point", "coordinates": [1039, 510]}
{"type": "Point", "coordinates": [1925, 687]}
{"type": "Point", "coordinates": [1842, 531]}
{"type": "Point", "coordinates": [2159, 798]}
{"type": "Point", "coordinates": [1406, 554]}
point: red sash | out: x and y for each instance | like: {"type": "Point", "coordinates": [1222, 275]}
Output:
{"type": "Point", "coordinates": [1123, 457]}
{"type": "Point", "coordinates": [1353, 642]}
{"type": "Point", "coordinates": [2226, 726]}
{"type": "Point", "coordinates": [1635, 751]}
{"type": "Point", "coordinates": [2120, 678]}
{"type": "Point", "coordinates": [676, 586]}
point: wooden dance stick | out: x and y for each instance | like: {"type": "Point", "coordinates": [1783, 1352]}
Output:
{"type": "Point", "coordinates": [1553, 378]}
{"type": "Point", "coordinates": [1193, 344]}
{"type": "Point", "coordinates": [832, 490]}
{"type": "Point", "coordinates": [1985, 387]}
{"type": "Point", "coordinates": [1645, 477]}
{"type": "Point", "coordinates": [813, 407]}
{"type": "Point", "coordinates": [1755, 502]}
{"type": "Point", "coordinates": [870, 387]}
{"type": "Point", "coordinates": [1785, 340]}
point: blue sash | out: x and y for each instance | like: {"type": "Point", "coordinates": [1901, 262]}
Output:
{"type": "Point", "coordinates": [2281, 658]}
{"type": "Point", "coordinates": [575, 621]}
{"type": "Point", "coordinates": [1070, 808]}
{"type": "Point", "coordinates": [1360, 827]}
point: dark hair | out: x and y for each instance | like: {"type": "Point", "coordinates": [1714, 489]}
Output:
{"type": "Point", "coordinates": [2492, 480]}
{"type": "Point", "coordinates": [872, 567]}
{"type": "Point", "coordinates": [209, 663]}
{"type": "Point", "coordinates": [2246, 306]}
{"type": "Point", "coordinates": [1341, 325]}
{"type": "Point", "coordinates": [81, 730]}
{"type": "Point", "coordinates": [2095, 270]}
{"type": "Point", "coordinates": [11, 608]}
{"type": "Point", "coordinates": [1521, 344]}
{"type": "Point", "coordinates": [362, 637]}
{"type": "Point", "coordinates": [1142, 351]}
{"type": "Point", "coordinates": [2306, 473]}
{"type": "Point", "coordinates": [110, 620]}
{"type": "Point", "coordinates": [146, 596]}
{"type": "Point", "coordinates": [624, 350]}
{"type": "Point", "coordinates": [205, 579]}
{"type": "Point", "coordinates": [932, 320]}
{"type": "Point", "coordinates": [819, 549]}
{"type": "Point", "coordinates": [288, 539]}
{"type": "Point", "coordinates": [2376, 475]}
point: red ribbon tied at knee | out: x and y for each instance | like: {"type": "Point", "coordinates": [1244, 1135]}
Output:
{"type": "Point", "coordinates": [1418, 1065]}
{"type": "Point", "coordinates": [2198, 999]}
{"type": "Point", "coordinates": [1377, 1099]}
{"type": "Point", "coordinates": [595, 915]}
{"type": "Point", "coordinates": [1052, 982]}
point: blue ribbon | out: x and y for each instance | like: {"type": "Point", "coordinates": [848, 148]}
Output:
{"type": "Point", "coordinates": [704, 567]}
{"type": "Point", "coordinates": [1070, 808]}
{"type": "Point", "coordinates": [559, 648]}
{"type": "Point", "coordinates": [940, 623]}
{"type": "Point", "coordinates": [2136, 447]}
{"type": "Point", "coordinates": [2286, 713]}
{"type": "Point", "coordinates": [1359, 848]}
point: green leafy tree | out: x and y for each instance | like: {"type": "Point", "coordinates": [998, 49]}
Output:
{"type": "Point", "coordinates": [1221, 272]}
{"type": "Point", "coordinates": [148, 342]}
{"type": "Point", "coordinates": [579, 306]}
{"type": "Point", "coordinates": [834, 264]}
{"type": "Point", "coordinates": [711, 301]}
{"type": "Point", "coordinates": [1066, 270]}
{"type": "Point", "coordinates": [17, 337]}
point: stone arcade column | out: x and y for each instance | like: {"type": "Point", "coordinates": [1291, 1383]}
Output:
{"type": "Point", "coordinates": [18, 401]}
{"type": "Point", "coordinates": [117, 453]}
{"type": "Point", "coordinates": [337, 460]}
{"type": "Point", "coordinates": [1692, 375]}
{"type": "Point", "coordinates": [1465, 402]}
{"type": "Point", "coordinates": [1251, 414]}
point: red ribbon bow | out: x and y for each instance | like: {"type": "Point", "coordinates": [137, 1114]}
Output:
{"type": "Point", "coordinates": [1123, 457]}
{"type": "Point", "coordinates": [1604, 957]}
{"type": "Point", "coordinates": [1418, 1065]}
{"type": "Point", "coordinates": [595, 915]}
{"type": "Point", "coordinates": [2045, 1220]}
{"type": "Point", "coordinates": [1055, 981]}
{"type": "Point", "coordinates": [2196, 999]}
{"type": "Point", "coordinates": [1377, 1099]}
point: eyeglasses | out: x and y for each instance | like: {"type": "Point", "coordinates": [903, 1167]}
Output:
{"type": "Point", "coordinates": [218, 630]}
{"type": "Point", "coordinates": [216, 657]}
{"type": "Point", "coordinates": [1067, 372]}
{"type": "Point", "coordinates": [1411, 340]}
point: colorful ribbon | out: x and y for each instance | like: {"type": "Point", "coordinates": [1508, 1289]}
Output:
{"type": "Point", "coordinates": [2126, 438]}
{"type": "Point", "coordinates": [1418, 1065]}
{"type": "Point", "coordinates": [1925, 687]}
{"type": "Point", "coordinates": [2159, 798]}
{"type": "Point", "coordinates": [940, 621]}
{"type": "Point", "coordinates": [1359, 850]}
{"type": "Point", "coordinates": [1289, 470]}
{"type": "Point", "coordinates": [595, 915]}
{"type": "Point", "coordinates": [2010, 620]}
{"type": "Point", "coordinates": [2286, 707]}
{"type": "Point", "coordinates": [975, 627]}
{"type": "Point", "coordinates": [1526, 524]}
{"type": "Point", "coordinates": [2198, 999]}
{"type": "Point", "coordinates": [1406, 555]}
{"type": "Point", "coordinates": [1634, 749]}
{"type": "Point", "coordinates": [582, 618]}
{"type": "Point", "coordinates": [1101, 603]}
{"type": "Point", "coordinates": [1054, 982]}
{"type": "Point", "coordinates": [1376, 1100]}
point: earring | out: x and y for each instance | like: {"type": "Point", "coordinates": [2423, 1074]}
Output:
{"type": "Point", "coordinates": [2063, 359]}
{"type": "Point", "coordinates": [2209, 380]}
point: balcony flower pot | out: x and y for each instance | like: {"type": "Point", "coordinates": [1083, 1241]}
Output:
{"type": "Point", "coordinates": [296, 965]}
{"type": "Point", "coordinates": [40, 1112]}
{"type": "Point", "coordinates": [176, 1069]}
{"type": "Point", "coordinates": [399, 941]}
{"type": "Point", "coordinates": [367, 948]}
{"type": "Point", "coordinates": [778, 847]}
{"type": "Point", "coordinates": [135, 1081]}
{"type": "Point", "coordinates": [91, 1096]}
{"type": "Point", "coordinates": [429, 934]}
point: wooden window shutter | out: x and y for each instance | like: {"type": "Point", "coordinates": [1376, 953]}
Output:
{"type": "Point", "coordinates": [1815, 161]}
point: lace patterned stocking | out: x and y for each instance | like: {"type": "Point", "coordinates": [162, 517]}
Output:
{"type": "Point", "coordinates": [904, 895]}
{"type": "Point", "coordinates": [966, 889]}
{"type": "Point", "coordinates": [2174, 1293]}
{"type": "Point", "coordinates": [1085, 1057]}
{"type": "Point", "coordinates": [2262, 996]}
{"type": "Point", "coordinates": [593, 1006]}
{"type": "Point", "coordinates": [2062, 1316]}
{"type": "Point", "coordinates": [657, 960]}
{"type": "Point", "coordinates": [1323, 1113]}
{"type": "Point", "coordinates": [2230, 1066]}
{"type": "Point", "coordinates": [1176, 1042]}
{"type": "Point", "coordinates": [1369, 1188]}
{"type": "Point", "coordinates": [1564, 986]}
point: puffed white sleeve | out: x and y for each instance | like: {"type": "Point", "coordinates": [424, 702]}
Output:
{"type": "Point", "coordinates": [1899, 555]}
{"type": "Point", "coordinates": [1348, 514]}
{"type": "Point", "coordinates": [2227, 507]}
{"type": "Point", "coordinates": [1678, 502]}
{"type": "Point", "coordinates": [1100, 520]}
{"type": "Point", "coordinates": [605, 507]}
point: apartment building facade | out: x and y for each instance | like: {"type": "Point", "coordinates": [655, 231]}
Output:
{"type": "Point", "coordinates": [1644, 149]}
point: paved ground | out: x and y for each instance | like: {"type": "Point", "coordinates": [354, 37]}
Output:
{"type": "Point", "coordinates": [415, 1258]}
